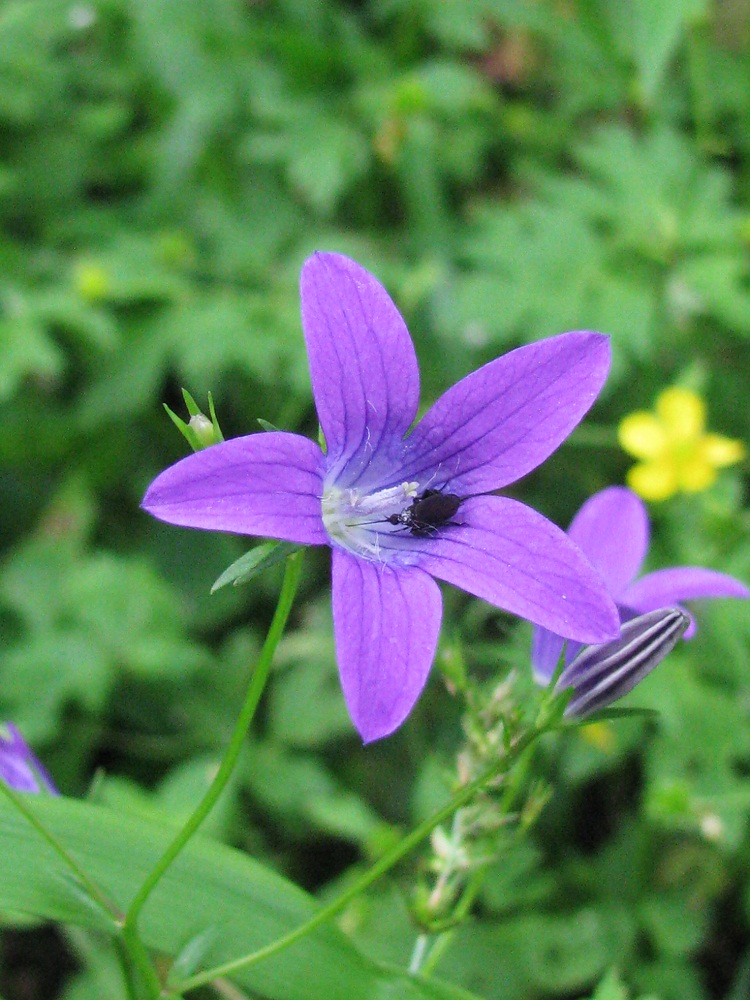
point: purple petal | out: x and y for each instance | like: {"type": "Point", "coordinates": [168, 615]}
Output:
{"type": "Point", "coordinates": [611, 529]}
{"type": "Point", "coordinates": [386, 623]}
{"type": "Point", "coordinates": [545, 653]}
{"type": "Point", "coordinates": [267, 484]}
{"type": "Point", "coordinates": [16, 774]}
{"type": "Point", "coordinates": [19, 766]}
{"type": "Point", "coordinates": [504, 419]}
{"type": "Point", "coordinates": [509, 555]}
{"type": "Point", "coordinates": [681, 583]}
{"type": "Point", "coordinates": [363, 367]}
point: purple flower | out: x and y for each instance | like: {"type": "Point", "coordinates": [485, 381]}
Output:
{"type": "Point", "coordinates": [612, 530]}
{"type": "Point", "coordinates": [397, 505]}
{"type": "Point", "coordinates": [19, 767]}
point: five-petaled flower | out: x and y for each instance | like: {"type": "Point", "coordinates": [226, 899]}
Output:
{"type": "Point", "coordinates": [677, 453]}
{"type": "Point", "coordinates": [612, 529]}
{"type": "Point", "coordinates": [19, 766]}
{"type": "Point", "coordinates": [399, 506]}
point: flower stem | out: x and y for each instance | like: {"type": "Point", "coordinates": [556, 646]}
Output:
{"type": "Point", "coordinates": [389, 859]}
{"type": "Point", "coordinates": [428, 948]}
{"type": "Point", "coordinates": [141, 978]}
{"type": "Point", "coordinates": [254, 691]}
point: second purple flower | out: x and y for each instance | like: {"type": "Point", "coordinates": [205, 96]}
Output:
{"type": "Point", "coordinates": [399, 506]}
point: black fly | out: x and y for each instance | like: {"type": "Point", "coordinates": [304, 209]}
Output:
{"type": "Point", "coordinates": [428, 511]}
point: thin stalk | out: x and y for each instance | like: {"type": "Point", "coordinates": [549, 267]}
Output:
{"type": "Point", "coordinates": [431, 957]}
{"type": "Point", "coordinates": [254, 691]}
{"type": "Point", "coordinates": [141, 979]}
{"type": "Point", "coordinates": [391, 858]}
{"type": "Point", "coordinates": [425, 958]}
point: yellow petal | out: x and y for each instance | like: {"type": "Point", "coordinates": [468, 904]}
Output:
{"type": "Point", "coordinates": [696, 474]}
{"type": "Point", "coordinates": [642, 435]}
{"type": "Point", "coordinates": [682, 412]}
{"type": "Point", "coordinates": [653, 480]}
{"type": "Point", "coordinates": [721, 451]}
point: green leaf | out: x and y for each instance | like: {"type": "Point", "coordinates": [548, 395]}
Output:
{"type": "Point", "coordinates": [650, 31]}
{"type": "Point", "coordinates": [253, 562]}
{"type": "Point", "coordinates": [209, 886]}
{"type": "Point", "coordinates": [618, 713]}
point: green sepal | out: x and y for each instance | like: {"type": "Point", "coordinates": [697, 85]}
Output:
{"type": "Point", "coordinates": [267, 425]}
{"type": "Point", "coordinates": [198, 440]}
{"type": "Point", "coordinates": [609, 714]}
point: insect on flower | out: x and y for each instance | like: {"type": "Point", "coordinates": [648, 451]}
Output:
{"type": "Point", "coordinates": [385, 494]}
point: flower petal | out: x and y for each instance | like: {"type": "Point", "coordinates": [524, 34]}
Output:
{"type": "Point", "coordinates": [721, 451]}
{"type": "Point", "coordinates": [265, 484]}
{"type": "Point", "coordinates": [681, 583]}
{"type": "Point", "coordinates": [682, 412]}
{"type": "Point", "coordinates": [642, 435]}
{"type": "Point", "coordinates": [386, 623]}
{"type": "Point", "coordinates": [611, 529]}
{"type": "Point", "coordinates": [695, 474]}
{"type": "Point", "coordinates": [654, 480]}
{"type": "Point", "coordinates": [504, 419]}
{"type": "Point", "coordinates": [363, 367]}
{"type": "Point", "coordinates": [545, 653]}
{"type": "Point", "coordinates": [509, 555]}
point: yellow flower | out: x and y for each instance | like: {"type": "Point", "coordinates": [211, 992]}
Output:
{"type": "Point", "coordinates": [677, 455]}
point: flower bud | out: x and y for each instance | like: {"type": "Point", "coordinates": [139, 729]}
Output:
{"type": "Point", "coordinates": [203, 429]}
{"type": "Point", "coordinates": [600, 675]}
{"type": "Point", "coordinates": [19, 767]}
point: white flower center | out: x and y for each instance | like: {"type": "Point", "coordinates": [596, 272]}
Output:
{"type": "Point", "coordinates": [355, 520]}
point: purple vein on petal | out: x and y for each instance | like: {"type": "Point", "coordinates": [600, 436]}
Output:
{"type": "Point", "coordinates": [362, 362]}
{"type": "Point", "coordinates": [503, 420]}
{"type": "Point", "coordinates": [386, 622]}
{"type": "Point", "coordinates": [267, 484]}
{"type": "Point", "coordinates": [612, 531]}
{"type": "Point", "coordinates": [508, 554]}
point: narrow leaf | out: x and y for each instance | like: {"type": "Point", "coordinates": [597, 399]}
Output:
{"type": "Point", "coordinates": [255, 561]}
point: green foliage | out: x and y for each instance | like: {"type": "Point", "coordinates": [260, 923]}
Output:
{"type": "Point", "coordinates": [509, 169]}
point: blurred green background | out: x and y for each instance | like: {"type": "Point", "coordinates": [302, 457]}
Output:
{"type": "Point", "coordinates": [509, 169]}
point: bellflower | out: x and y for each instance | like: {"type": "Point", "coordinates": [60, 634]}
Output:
{"type": "Point", "coordinates": [19, 767]}
{"type": "Point", "coordinates": [612, 530]}
{"type": "Point", "coordinates": [401, 505]}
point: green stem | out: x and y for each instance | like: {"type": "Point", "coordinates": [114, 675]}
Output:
{"type": "Point", "coordinates": [141, 980]}
{"type": "Point", "coordinates": [431, 958]}
{"type": "Point", "coordinates": [145, 979]}
{"type": "Point", "coordinates": [392, 857]}
{"type": "Point", "coordinates": [425, 958]}
{"type": "Point", "coordinates": [254, 691]}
